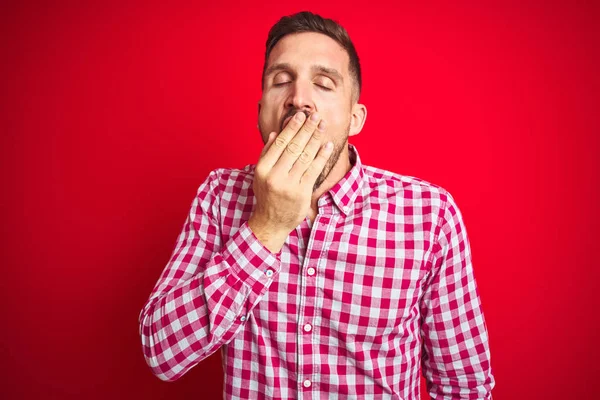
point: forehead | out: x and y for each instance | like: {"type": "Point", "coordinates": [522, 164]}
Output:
{"type": "Point", "coordinates": [309, 48]}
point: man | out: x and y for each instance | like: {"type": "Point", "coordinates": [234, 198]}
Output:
{"type": "Point", "coordinates": [315, 275]}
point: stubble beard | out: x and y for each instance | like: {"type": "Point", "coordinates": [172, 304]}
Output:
{"type": "Point", "coordinates": [333, 159]}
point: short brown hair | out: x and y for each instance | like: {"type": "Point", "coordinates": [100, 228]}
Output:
{"type": "Point", "coordinates": [306, 21]}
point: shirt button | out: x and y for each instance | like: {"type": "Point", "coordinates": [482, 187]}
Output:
{"type": "Point", "coordinates": [307, 328]}
{"type": "Point", "coordinates": [243, 318]}
{"type": "Point", "coordinates": [269, 273]}
{"type": "Point", "coordinates": [311, 271]}
{"type": "Point", "coordinates": [307, 383]}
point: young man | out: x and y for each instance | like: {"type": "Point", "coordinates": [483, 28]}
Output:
{"type": "Point", "coordinates": [315, 275]}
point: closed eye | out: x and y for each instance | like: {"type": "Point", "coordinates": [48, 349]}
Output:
{"type": "Point", "coordinates": [325, 88]}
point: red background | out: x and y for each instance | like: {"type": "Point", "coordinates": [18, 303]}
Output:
{"type": "Point", "coordinates": [112, 115]}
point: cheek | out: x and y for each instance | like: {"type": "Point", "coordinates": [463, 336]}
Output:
{"type": "Point", "coordinates": [337, 121]}
{"type": "Point", "coordinates": [268, 121]}
{"type": "Point", "coordinates": [270, 108]}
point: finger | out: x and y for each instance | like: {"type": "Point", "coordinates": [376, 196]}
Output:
{"type": "Point", "coordinates": [282, 140]}
{"type": "Point", "coordinates": [268, 144]}
{"type": "Point", "coordinates": [295, 148]}
{"type": "Point", "coordinates": [316, 167]}
{"type": "Point", "coordinates": [309, 153]}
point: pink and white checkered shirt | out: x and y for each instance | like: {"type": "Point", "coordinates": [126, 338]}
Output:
{"type": "Point", "coordinates": [380, 284]}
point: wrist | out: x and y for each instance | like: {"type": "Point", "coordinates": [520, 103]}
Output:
{"type": "Point", "coordinates": [271, 236]}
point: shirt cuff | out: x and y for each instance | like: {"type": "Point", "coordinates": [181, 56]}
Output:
{"type": "Point", "coordinates": [250, 260]}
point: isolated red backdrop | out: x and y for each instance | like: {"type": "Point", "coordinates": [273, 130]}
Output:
{"type": "Point", "coordinates": [112, 115]}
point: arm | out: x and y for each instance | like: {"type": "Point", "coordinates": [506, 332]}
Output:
{"type": "Point", "coordinates": [456, 356]}
{"type": "Point", "coordinates": [206, 290]}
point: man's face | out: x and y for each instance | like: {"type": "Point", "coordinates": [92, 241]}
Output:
{"type": "Point", "coordinates": [308, 72]}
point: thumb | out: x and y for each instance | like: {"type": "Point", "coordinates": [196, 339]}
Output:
{"type": "Point", "coordinates": [270, 141]}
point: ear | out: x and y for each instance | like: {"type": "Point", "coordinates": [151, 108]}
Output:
{"type": "Point", "coordinates": [358, 118]}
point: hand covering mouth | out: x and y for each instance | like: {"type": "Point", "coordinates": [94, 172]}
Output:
{"type": "Point", "coordinates": [289, 117]}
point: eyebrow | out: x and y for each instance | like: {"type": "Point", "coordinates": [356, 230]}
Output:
{"type": "Point", "coordinates": [315, 68]}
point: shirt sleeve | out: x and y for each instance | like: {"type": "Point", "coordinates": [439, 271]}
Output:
{"type": "Point", "coordinates": [456, 356]}
{"type": "Point", "coordinates": [206, 291]}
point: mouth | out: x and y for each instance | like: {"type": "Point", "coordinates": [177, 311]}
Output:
{"type": "Point", "coordinates": [285, 121]}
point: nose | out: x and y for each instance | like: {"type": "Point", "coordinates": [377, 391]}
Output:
{"type": "Point", "coordinates": [300, 97]}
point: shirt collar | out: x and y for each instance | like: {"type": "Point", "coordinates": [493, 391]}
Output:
{"type": "Point", "coordinates": [345, 192]}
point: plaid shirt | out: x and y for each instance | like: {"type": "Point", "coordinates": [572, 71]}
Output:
{"type": "Point", "coordinates": [380, 284]}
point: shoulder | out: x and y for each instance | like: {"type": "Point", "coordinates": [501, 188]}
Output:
{"type": "Point", "coordinates": [224, 180]}
{"type": "Point", "coordinates": [225, 193]}
{"type": "Point", "coordinates": [416, 198]}
{"type": "Point", "coordinates": [403, 187]}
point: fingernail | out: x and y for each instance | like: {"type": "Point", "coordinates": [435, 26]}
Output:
{"type": "Point", "coordinates": [314, 117]}
{"type": "Point", "coordinates": [329, 146]}
{"type": "Point", "coordinates": [321, 125]}
{"type": "Point", "coordinates": [300, 116]}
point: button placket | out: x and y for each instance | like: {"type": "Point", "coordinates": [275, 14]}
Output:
{"type": "Point", "coordinates": [309, 366]}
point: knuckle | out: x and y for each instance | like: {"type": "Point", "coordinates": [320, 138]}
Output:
{"type": "Point", "coordinates": [304, 157]}
{"type": "Point", "coordinates": [293, 148]}
{"type": "Point", "coordinates": [305, 131]}
{"type": "Point", "coordinates": [280, 142]}
{"type": "Point", "coordinates": [288, 193]}
{"type": "Point", "coordinates": [310, 125]}
{"type": "Point", "coordinates": [270, 183]}
{"type": "Point", "coordinates": [317, 135]}
{"type": "Point", "coordinates": [259, 171]}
